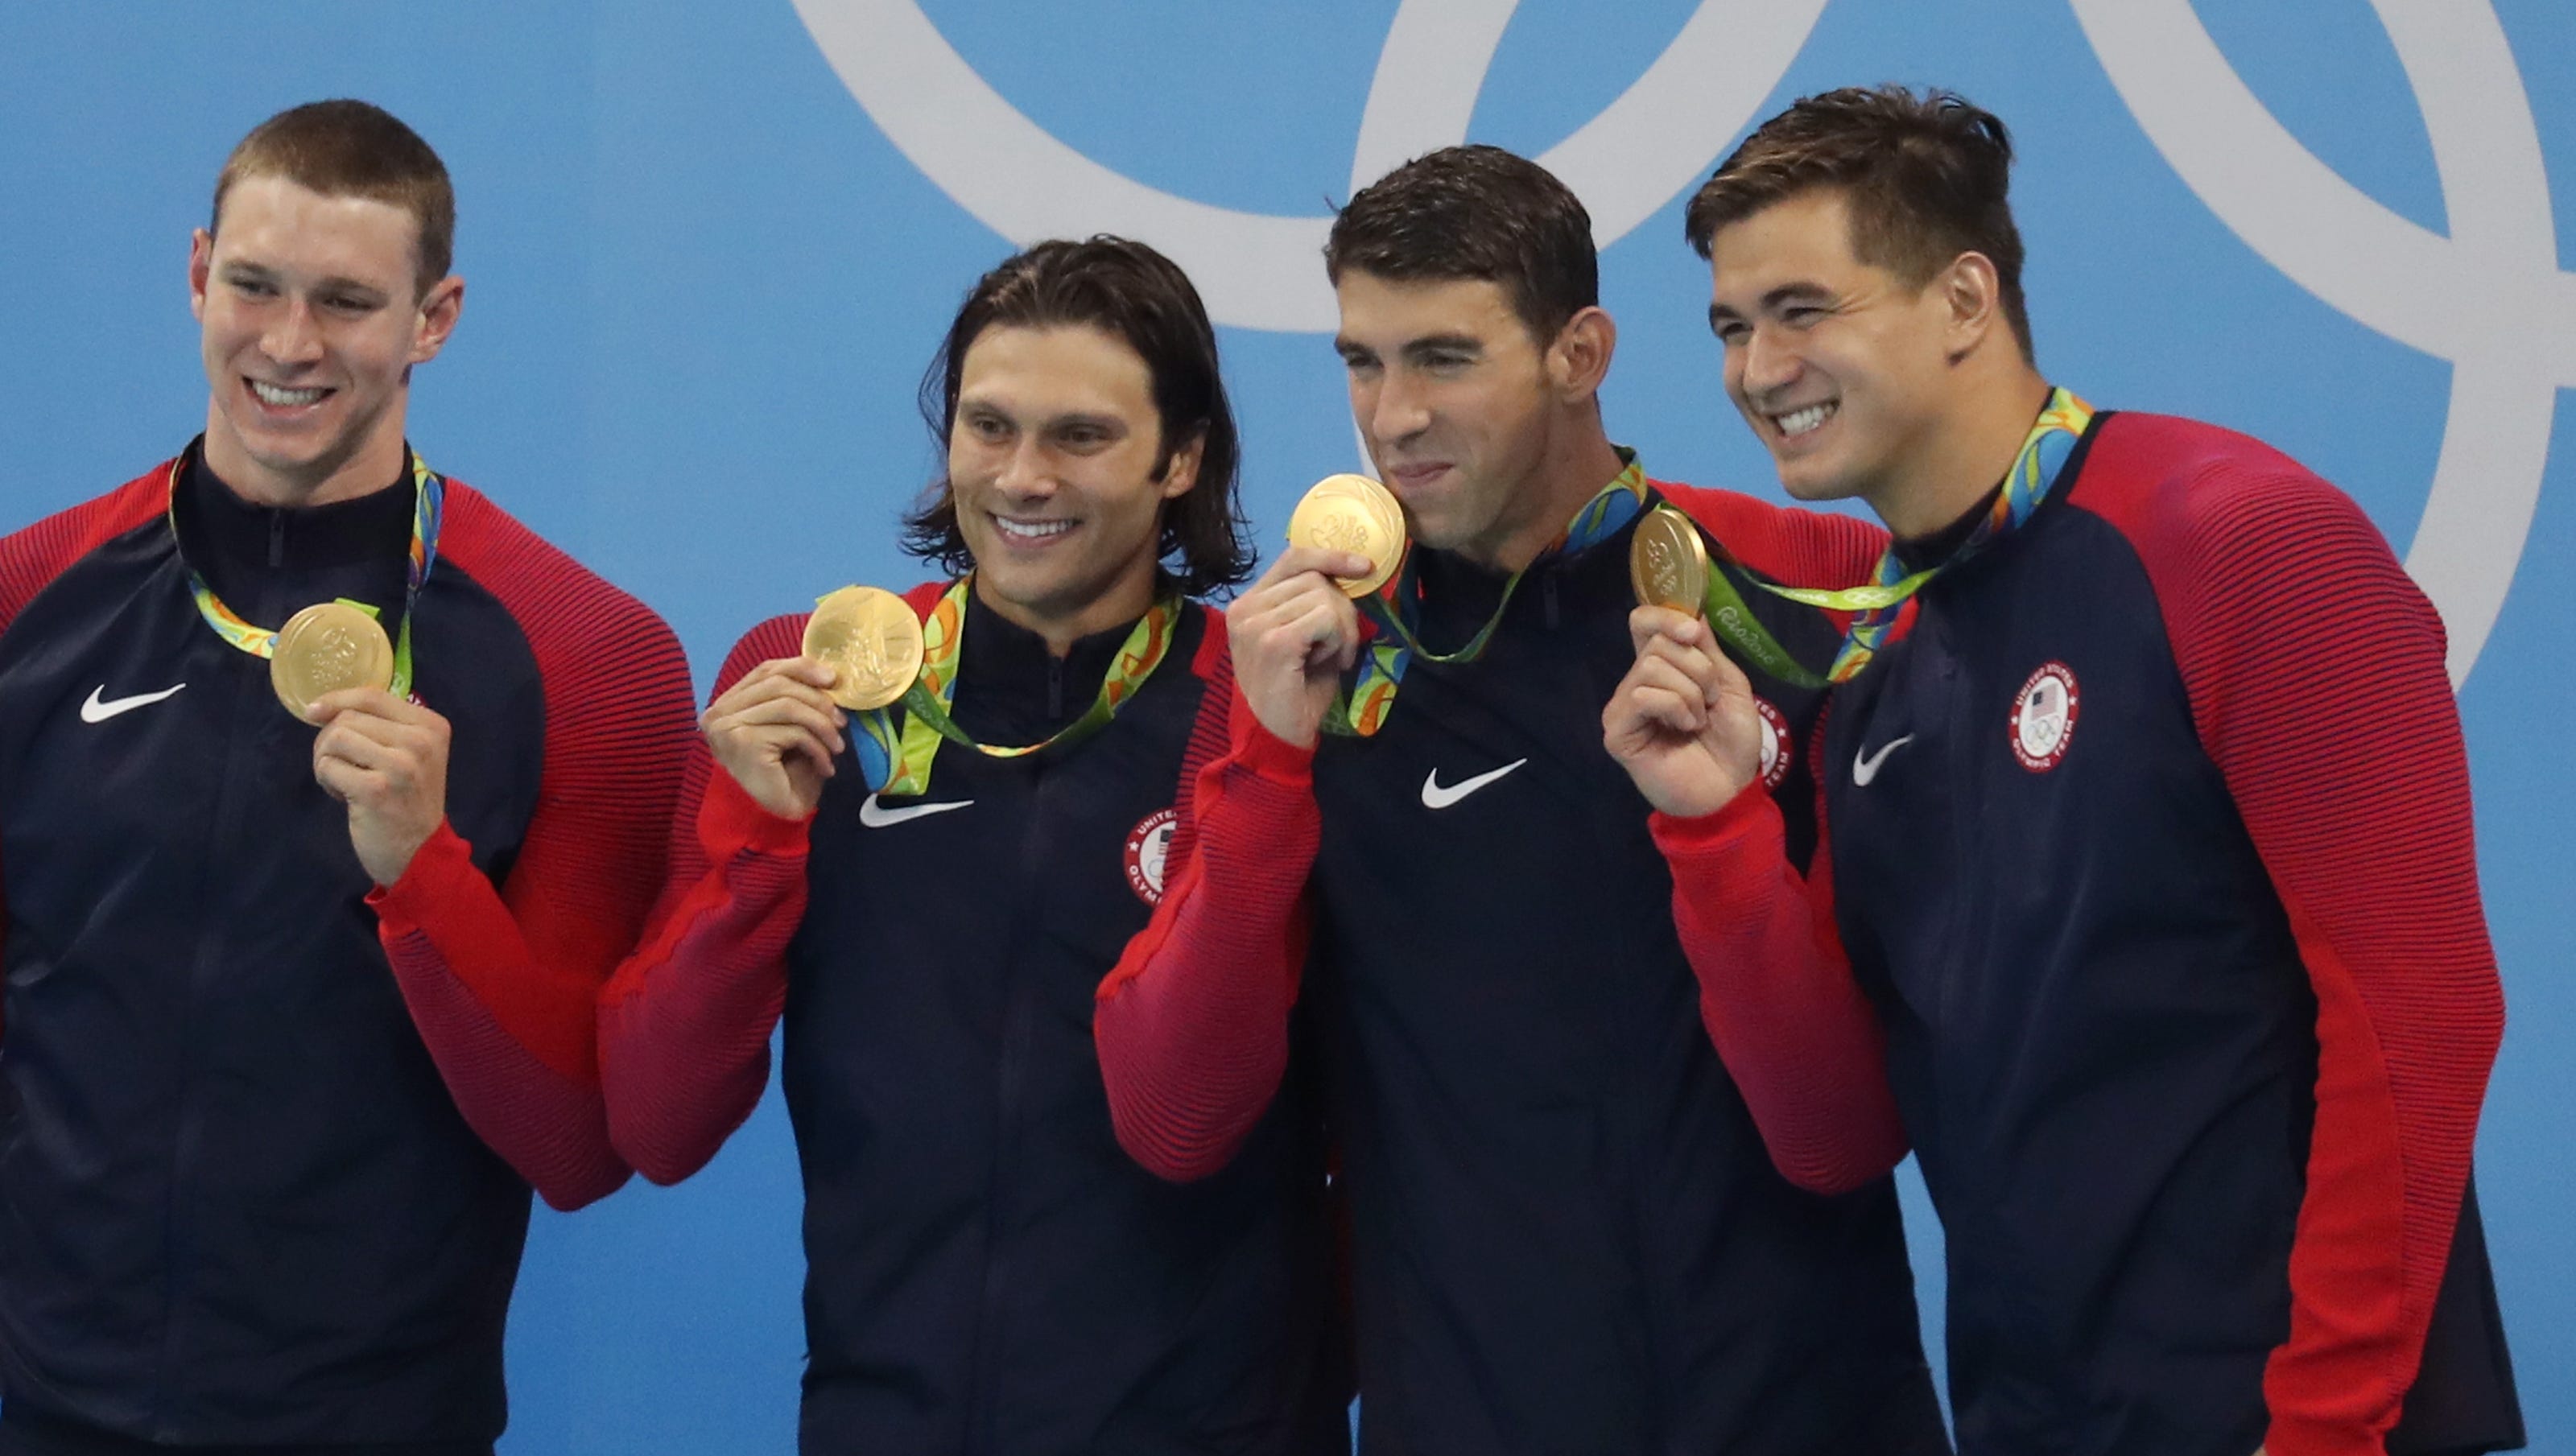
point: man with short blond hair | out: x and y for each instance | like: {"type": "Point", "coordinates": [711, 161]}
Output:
{"type": "Point", "coordinates": [328, 796]}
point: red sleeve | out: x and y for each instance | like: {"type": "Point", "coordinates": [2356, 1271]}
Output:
{"type": "Point", "coordinates": [1192, 1023]}
{"type": "Point", "coordinates": [684, 1024]}
{"type": "Point", "coordinates": [32, 556]}
{"type": "Point", "coordinates": [2337, 733]}
{"type": "Point", "coordinates": [1791, 546]}
{"type": "Point", "coordinates": [501, 983]}
{"type": "Point", "coordinates": [1776, 991]}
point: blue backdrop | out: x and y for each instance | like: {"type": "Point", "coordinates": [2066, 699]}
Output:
{"type": "Point", "coordinates": [710, 246]}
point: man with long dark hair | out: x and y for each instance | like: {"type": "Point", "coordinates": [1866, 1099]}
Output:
{"type": "Point", "coordinates": [934, 907]}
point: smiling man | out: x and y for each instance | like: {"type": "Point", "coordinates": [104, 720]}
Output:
{"type": "Point", "coordinates": [2150, 892]}
{"type": "Point", "coordinates": [300, 951]}
{"type": "Point", "coordinates": [1567, 1234]}
{"type": "Point", "coordinates": [934, 907]}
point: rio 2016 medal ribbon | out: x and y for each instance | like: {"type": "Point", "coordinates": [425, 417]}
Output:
{"type": "Point", "coordinates": [1668, 562]}
{"type": "Point", "coordinates": [871, 640]}
{"type": "Point", "coordinates": [1355, 514]}
{"type": "Point", "coordinates": [324, 648]}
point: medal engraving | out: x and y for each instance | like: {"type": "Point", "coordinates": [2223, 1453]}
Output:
{"type": "Point", "coordinates": [1668, 562]}
{"type": "Point", "coordinates": [872, 641]}
{"type": "Point", "coordinates": [1355, 514]}
{"type": "Point", "coordinates": [324, 648]}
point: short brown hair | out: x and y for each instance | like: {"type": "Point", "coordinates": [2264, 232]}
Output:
{"type": "Point", "coordinates": [353, 149]}
{"type": "Point", "coordinates": [1926, 178]}
{"type": "Point", "coordinates": [1475, 212]}
{"type": "Point", "coordinates": [1129, 291]}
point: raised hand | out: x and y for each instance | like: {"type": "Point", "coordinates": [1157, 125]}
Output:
{"type": "Point", "coordinates": [1294, 634]}
{"type": "Point", "coordinates": [777, 732]}
{"type": "Point", "coordinates": [1683, 721]}
{"type": "Point", "coordinates": [387, 760]}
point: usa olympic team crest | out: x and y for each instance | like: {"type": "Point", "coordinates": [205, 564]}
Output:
{"type": "Point", "coordinates": [1779, 750]}
{"type": "Point", "coordinates": [2504, 315]}
{"type": "Point", "coordinates": [2043, 717]}
{"type": "Point", "coordinates": [1149, 847]}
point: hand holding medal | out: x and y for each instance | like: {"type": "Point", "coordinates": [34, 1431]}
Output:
{"type": "Point", "coordinates": [1683, 721]}
{"type": "Point", "coordinates": [1296, 631]}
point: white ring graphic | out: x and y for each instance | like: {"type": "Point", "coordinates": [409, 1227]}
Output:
{"type": "Point", "coordinates": [1259, 270]}
{"type": "Point", "coordinates": [2490, 297]}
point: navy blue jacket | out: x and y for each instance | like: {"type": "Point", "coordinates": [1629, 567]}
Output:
{"type": "Point", "coordinates": [1568, 1235]}
{"type": "Point", "coordinates": [987, 1271]}
{"type": "Point", "coordinates": [2150, 846]}
{"type": "Point", "coordinates": [257, 1148]}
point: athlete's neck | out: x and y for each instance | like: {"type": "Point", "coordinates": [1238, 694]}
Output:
{"type": "Point", "coordinates": [1569, 478]}
{"type": "Point", "coordinates": [1969, 451]}
{"type": "Point", "coordinates": [369, 465]}
{"type": "Point", "coordinates": [1061, 627]}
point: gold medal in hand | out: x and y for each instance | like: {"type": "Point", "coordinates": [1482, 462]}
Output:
{"type": "Point", "coordinates": [1355, 514]}
{"type": "Point", "coordinates": [324, 648]}
{"type": "Point", "coordinates": [871, 638]}
{"type": "Point", "coordinates": [1668, 562]}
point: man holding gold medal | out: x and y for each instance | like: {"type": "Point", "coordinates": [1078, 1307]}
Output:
{"type": "Point", "coordinates": [2149, 912]}
{"type": "Point", "coordinates": [295, 1019]}
{"type": "Point", "coordinates": [925, 829]}
{"type": "Point", "coordinates": [1568, 1236]}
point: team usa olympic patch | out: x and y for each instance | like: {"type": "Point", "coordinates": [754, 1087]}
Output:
{"type": "Point", "coordinates": [1779, 752]}
{"type": "Point", "coordinates": [1148, 845]}
{"type": "Point", "coordinates": [2043, 717]}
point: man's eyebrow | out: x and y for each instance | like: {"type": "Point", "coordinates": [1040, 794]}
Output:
{"type": "Point", "coordinates": [1443, 344]}
{"type": "Point", "coordinates": [1791, 292]}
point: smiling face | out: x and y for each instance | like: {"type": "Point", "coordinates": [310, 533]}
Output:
{"type": "Point", "coordinates": [1841, 367]}
{"type": "Point", "coordinates": [1051, 464]}
{"type": "Point", "coordinates": [1459, 405]}
{"type": "Point", "coordinates": [312, 317]}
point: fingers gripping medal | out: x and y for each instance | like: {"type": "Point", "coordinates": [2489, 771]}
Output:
{"type": "Point", "coordinates": [1355, 514]}
{"type": "Point", "coordinates": [324, 648]}
{"type": "Point", "coordinates": [871, 639]}
{"type": "Point", "coordinates": [1668, 562]}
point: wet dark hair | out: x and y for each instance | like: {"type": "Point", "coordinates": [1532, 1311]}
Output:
{"type": "Point", "coordinates": [1927, 178]}
{"type": "Point", "coordinates": [1475, 212]}
{"type": "Point", "coordinates": [1127, 290]}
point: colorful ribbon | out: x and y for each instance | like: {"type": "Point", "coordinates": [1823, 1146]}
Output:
{"type": "Point", "coordinates": [896, 762]}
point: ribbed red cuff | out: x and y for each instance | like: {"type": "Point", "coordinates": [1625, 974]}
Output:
{"type": "Point", "coordinates": [1707, 834]}
{"type": "Point", "coordinates": [1256, 748]}
{"type": "Point", "coordinates": [731, 821]}
{"type": "Point", "coordinates": [429, 881]}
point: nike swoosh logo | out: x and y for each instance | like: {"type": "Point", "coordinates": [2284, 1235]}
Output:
{"type": "Point", "coordinates": [97, 710]}
{"type": "Point", "coordinates": [1865, 765]}
{"type": "Point", "coordinates": [1436, 797]}
{"type": "Point", "coordinates": [876, 817]}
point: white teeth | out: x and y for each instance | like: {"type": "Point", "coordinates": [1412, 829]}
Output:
{"type": "Point", "coordinates": [285, 398]}
{"type": "Point", "coordinates": [1799, 422]}
{"type": "Point", "coordinates": [1031, 530]}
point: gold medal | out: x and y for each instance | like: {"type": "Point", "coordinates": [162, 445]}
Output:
{"type": "Point", "coordinates": [872, 640]}
{"type": "Point", "coordinates": [1668, 562]}
{"type": "Point", "coordinates": [1355, 514]}
{"type": "Point", "coordinates": [324, 648]}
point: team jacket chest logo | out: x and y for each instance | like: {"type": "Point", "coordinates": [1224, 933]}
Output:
{"type": "Point", "coordinates": [2043, 717]}
{"type": "Point", "coordinates": [1436, 795]}
{"type": "Point", "coordinates": [1779, 750]}
{"type": "Point", "coordinates": [99, 708]}
{"type": "Point", "coordinates": [1149, 847]}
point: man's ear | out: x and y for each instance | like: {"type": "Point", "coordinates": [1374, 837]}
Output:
{"type": "Point", "coordinates": [440, 308]}
{"type": "Point", "coordinates": [1579, 359]}
{"type": "Point", "coordinates": [201, 269]}
{"type": "Point", "coordinates": [1972, 303]}
{"type": "Point", "coordinates": [1181, 473]}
